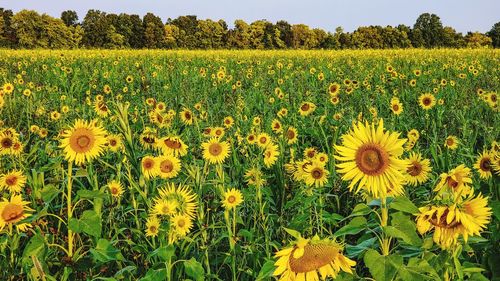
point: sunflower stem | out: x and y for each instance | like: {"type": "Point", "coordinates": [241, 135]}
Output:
{"type": "Point", "coordinates": [385, 243]}
{"type": "Point", "coordinates": [70, 211]}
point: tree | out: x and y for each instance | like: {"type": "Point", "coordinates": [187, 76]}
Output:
{"type": "Point", "coordinates": [209, 34]}
{"type": "Point", "coordinates": [8, 37]}
{"type": "Point", "coordinates": [96, 27]}
{"type": "Point", "coordinates": [494, 34]}
{"type": "Point", "coordinates": [452, 39]}
{"type": "Point", "coordinates": [153, 31]}
{"type": "Point", "coordinates": [70, 18]}
{"type": "Point", "coordinates": [29, 28]}
{"type": "Point", "coordinates": [188, 26]}
{"type": "Point", "coordinates": [136, 39]}
{"type": "Point", "coordinates": [239, 37]}
{"type": "Point", "coordinates": [114, 39]}
{"type": "Point", "coordinates": [303, 37]}
{"type": "Point", "coordinates": [171, 34]}
{"type": "Point", "coordinates": [285, 30]}
{"type": "Point", "coordinates": [477, 40]}
{"type": "Point", "coordinates": [431, 29]}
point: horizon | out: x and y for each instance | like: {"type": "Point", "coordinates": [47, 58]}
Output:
{"type": "Point", "coordinates": [481, 13]}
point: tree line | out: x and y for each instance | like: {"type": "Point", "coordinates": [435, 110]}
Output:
{"type": "Point", "coordinates": [29, 29]}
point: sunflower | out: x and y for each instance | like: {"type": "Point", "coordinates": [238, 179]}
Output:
{"type": "Point", "coordinates": [8, 88]}
{"type": "Point", "coordinates": [307, 108]}
{"type": "Point", "coordinates": [254, 177]}
{"type": "Point", "coordinates": [466, 218]}
{"type": "Point", "coordinates": [308, 258]}
{"type": "Point", "coordinates": [115, 188]}
{"type": "Point", "coordinates": [148, 138]}
{"type": "Point", "coordinates": [316, 174]}
{"type": "Point", "coordinates": [451, 142]}
{"type": "Point", "coordinates": [150, 167]}
{"type": "Point", "coordinates": [310, 153]}
{"type": "Point", "coordinates": [101, 108]}
{"type": "Point", "coordinates": [83, 142]}
{"type": "Point", "coordinates": [276, 126]}
{"type": "Point", "coordinates": [232, 198]}
{"type": "Point", "coordinates": [413, 135]}
{"type": "Point", "coordinates": [427, 101]}
{"type": "Point", "coordinates": [13, 211]}
{"type": "Point", "coordinates": [114, 142]}
{"type": "Point", "coordinates": [182, 224]}
{"type": "Point", "coordinates": [396, 106]}
{"type": "Point", "coordinates": [457, 181]}
{"type": "Point", "coordinates": [7, 141]}
{"type": "Point", "coordinates": [418, 169]}
{"type": "Point", "coordinates": [483, 164]}
{"type": "Point", "coordinates": [152, 226]}
{"type": "Point", "coordinates": [371, 159]}
{"type": "Point", "coordinates": [187, 116]}
{"type": "Point", "coordinates": [263, 140]}
{"type": "Point", "coordinates": [291, 135]}
{"type": "Point", "coordinates": [13, 181]}
{"type": "Point", "coordinates": [228, 122]}
{"type": "Point", "coordinates": [169, 166]}
{"type": "Point", "coordinates": [182, 195]}
{"type": "Point", "coordinates": [334, 100]}
{"type": "Point", "coordinates": [215, 151]}
{"type": "Point", "coordinates": [164, 207]}
{"type": "Point", "coordinates": [271, 154]}
{"type": "Point", "coordinates": [173, 145]}
{"type": "Point", "coordinates": [334, 89]}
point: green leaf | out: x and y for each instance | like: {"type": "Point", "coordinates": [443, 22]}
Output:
{"type": "Point", "coordinates": [355, 226]}
{"type": "Point", "coordinates": [91, 194]}
{"type": "Point", "coordinates": [155, 275]}
{"type": "Point", "coordinates": [294, 233]}
{"type": "Point", "coordinates": [361, 210]}
{"type": "Point", "coordinates": [89, 223]}
{"type": "Point", "coordinates": [404, 228]}
{"type": "Point", "coordinates": [360, 248]}
{"type": "Point", "coordinates": [194, 269]}
{"type": "Point", "coordinates": [382, 268]}
{"type": "Point", "coordinates": [402, 203]}
{"type": "Point", "coordinates": [49, 192]}
{"type": "Point", "coordinates": [266, 271]}
{"type": "Point", "coordinates": [418, 270]}
{"type": "Point", "coordinates": [35, 247]}
{"type": "Point", "coordinates": [495, 206]}
{"type": "Point", "coordinates": [105, 252]}
{"type": "Point", "coordinates": [164, 253]}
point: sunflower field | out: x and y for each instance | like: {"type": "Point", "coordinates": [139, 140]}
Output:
{"type": "Point", "coordinates": [250, 165]}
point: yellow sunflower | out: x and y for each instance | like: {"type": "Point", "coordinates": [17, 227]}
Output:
{"type": "Point", "coordinates": [169, 166]}
{"type": "Point", "coordinates": [232, 198]}
{"type": "Point", "coordinates": [187, 116]}
{"type": "Point", "coordinates": [396, 106]}
{"type": "Point", "coordinates": [418, 169]}
{"type": "Point", "coordinates": [182, 195]}
{"type": "Point", "coordinates": [149, 167]}
{"type": "Point", "coordinates": [13, 181]}
{"type": "Point", "coordinates": [456, 183]}
{"type": "Point", "coordinates": [263, 140]}
{"type": "Point", "coordinates": [181, 224]}
{"type": "Point", "coordinates": [306, 108]}
{"type": "Point", "coordinates": [152, 226]}
{"type": "Point", "coordinates": [115, 188]}
{"type": "Point", "coordinates": [334, 89]}
{"type": "Point", "coordinates": [83, 142]}
{"type": "Point", "coordinates": [370, 159]}
{"type": "Point", "coordinates": [173, 145]}
{"type": "Point", "coordinates": [14, 210]}
{"type": "Point", "coordinates": [451, 142]}
{"type": "Point", "coordinates": [114, 142]}
{"type": "Point", "coordinates": [316, 174]}
{"type": "Point", "coordinates": [271, 154]}
{"type": "Point", "coordinates": [164, 207]}
{"type": "Point", "coordinates": [311, 259]}
{"type": "Point", "coordinates": [215, 151]}
{"type": "Point", "coordinates": [427, 101]}
{"type": "Point", "coordinates": [291, 135]}
{"type": "Point", "coordinates": [483, 164]}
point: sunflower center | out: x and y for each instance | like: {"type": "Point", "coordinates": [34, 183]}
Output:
{"type": "Point", "coordinates": [6, 143]}
{"type": "Point", "coordinates": [187, 115]}
{"type": "Point", "coordinates": [290, 134]}
{"type": "Point", "coordinates": [152, 228]}
{"type": "Point", "coordinates": [415, 169]}
{"type": "Point", "coordinates": [426, 101]}
{"type": "Point", "coordinates": [148, 164]}
{"type": "Point", "coordinates": [317, 173]}
{"type": "Point", "coordinates": [114, 190]}
{"type": "Point", "coordinates": [395, 107]}
{"type": "Point", "coordinates": [314, 257]}
{"type": "Point", "coordinates": [10, 181]}
{"type": "Point", "coordinates": [148, 139]}
{"type": "Point", "coordinates": [172, 144]}
{"type": "Point", "coordinates": [450, 142]}
{"type": "Point", "coordinates": [12, 213]}
{"type": "Point", "coordinates": [451, 182]}
{"type": "Point", "coordinates": [371, 159]}
{"type": "Point", "coordinates": [485, 164]}
{"type": "Point", "coordinates": [493, 98]}
{"type": "Point", "coordinates": [181, 223]}
{"type": "Point", "coordinates": [231, 199]}
{"type": "Point", "coordinates": [305, 107]}
{"type": "Point", "coordinates": [215, 149]}
{"type": "Point", "coordinates": [166, 166]}
{"type": "Point", "coordinates": [112, 142]}
{"type": "Point", "coordinates": [165, 209]}
{"type": "Point", "coordinates": [82, 140]}
{"type": "Point", "coordinates": [441, 221]}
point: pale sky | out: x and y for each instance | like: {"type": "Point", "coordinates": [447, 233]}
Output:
{"type": "Point", "coordinates": [463, 15]}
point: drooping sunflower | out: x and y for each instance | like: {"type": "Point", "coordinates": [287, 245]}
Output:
{"type": "Point", "coordinates": [427, 101]}
{"type": "Point", "coordinates": [13, 181]}
{"type": "Point", "coordinates": [148, 138]}
{"type": "Point", "coordinates": [115, 188]}
{"type": "Point", "coordinates": [101, 108]}
{"type": "Point", "coordinates": [483, 165]}
{"type": "Point", "coordinates": [276, 126]}
{"type": "Point", "coordinates": [182, 195]}
{"type": "Point", "coordinates": [232, 198]}
{"type": "Point", "coordinates": [13, 211]}
{"type": "Point", "coordinates": [271, 153]}
{"type": "Point", "coordinates": [456, 182]}
{"type": "Point", "coordinates": [465, 218]}
{"type": "Point", "coordinates": [418, 169]}
{"type": "Point", "coordinates": [169, 166]}
{"type": "Point", "coordinates": [215, 151]}
{"type": "Point", "coordinates": [370, 159]}
{"type": "Point", "coordinates": [83, 142]}
{"type": "Point", "coordinates": [149, 167]}
{"type": "Point", "coordinates": [451, 142]}
{"type": "Point", "coordinates": [311, 259]}
{"type": "Point", "coordinates": [173, 145]}
{"type": "Point", "coordinates": [152, 226]}
{"type": "Point", "coordinates": [316, 174]}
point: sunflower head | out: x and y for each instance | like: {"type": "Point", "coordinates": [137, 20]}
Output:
{"type": "Point", "coordinates": [232, 199]}
{"type": "Point", "coordinates": [13, 211]}
{"type": "Point", "coordinates": [83, 142]}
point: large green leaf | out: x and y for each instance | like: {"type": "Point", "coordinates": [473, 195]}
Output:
{"type": "Point", "coordinates": [194, 269]}
{"type": "Point", "coordinates": [266, 271]}
{"type": "Point", "coordinates": [35, 247]}
{"type": "Point", "coordinates": [89, 223]}
{"type": "Point", "coordinates": [402, 203]}
{"type": "Point", "coordinates": [105, 252]}
{"type": "Point", "coordinates": [404, 228]}
{"type": "Point", "coordinates": [382, 268]}
{"type": "Point", "coordinates": [355, 226]}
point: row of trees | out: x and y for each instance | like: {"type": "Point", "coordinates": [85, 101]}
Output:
{"type": "Point", "coordinates": [29, 29]}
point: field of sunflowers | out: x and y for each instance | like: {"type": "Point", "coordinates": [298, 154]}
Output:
{"type": "Point", "coordinates": [250, 165]}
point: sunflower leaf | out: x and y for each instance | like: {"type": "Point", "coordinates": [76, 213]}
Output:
{"type": "Point", "coordinates": [402, 203]}
{"type": "Point", "coordinates": [194, 269]}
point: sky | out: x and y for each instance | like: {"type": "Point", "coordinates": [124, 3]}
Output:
{"type": "Point", "coordinates": [463, 15]}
